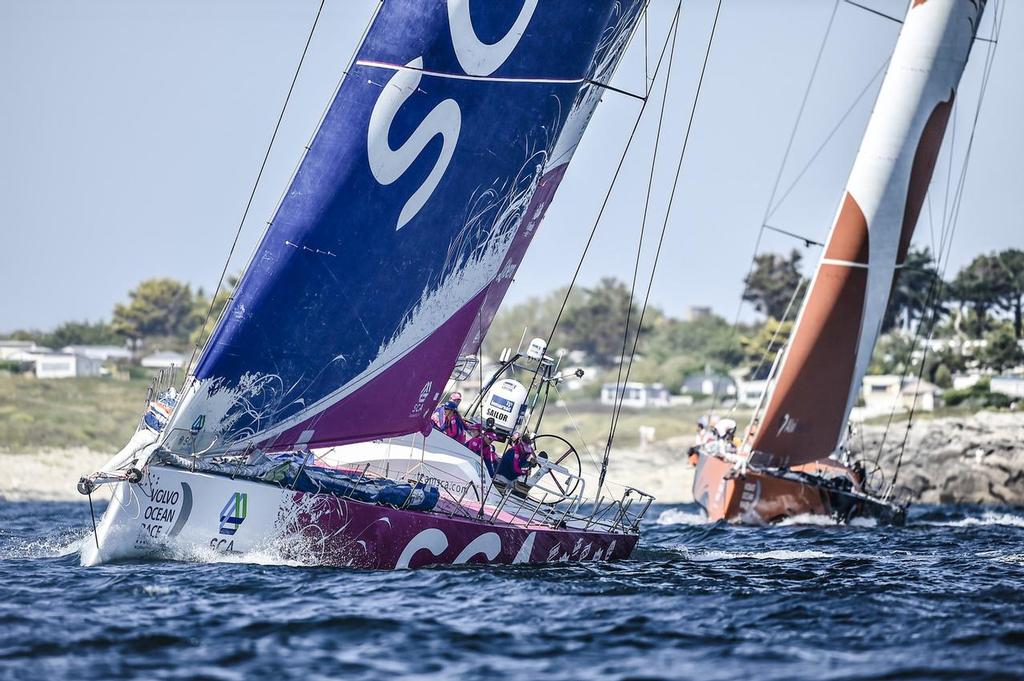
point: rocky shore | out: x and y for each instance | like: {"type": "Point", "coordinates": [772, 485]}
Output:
{"type": "Point", "coordinates": [969, 460]}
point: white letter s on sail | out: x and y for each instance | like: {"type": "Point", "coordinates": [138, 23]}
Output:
{"type": "Point", "coordinates": [387, 164]}
{"type": "Point", "coordinates": [476, 57]}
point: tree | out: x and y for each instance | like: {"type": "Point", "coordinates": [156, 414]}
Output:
{"type": "Point", "coordinates": [918, 290]}
{"type": "Point", "coordinates": [534, 316]}
{"type": "Point", "coordinates": [708, 340]}
{"type": "Point", "coordinates": [157, 307]}
{"type": "Point", "coordinates": [80, 333]}
{"type": "Point", "coordinates": [981, 284]}
{"type": "Point", "coordinates": [762, 347]}
{"type": "Point", "coordinates": [595, 322]}
{"type": "Point", "coordinates": [201, 332]}
{"type": "Point", "coordinates": [1011, 264]}
{"type": "Point", "coordinates": [1001, 351]}
{"type": "Point", "coordinates": [772, 282]}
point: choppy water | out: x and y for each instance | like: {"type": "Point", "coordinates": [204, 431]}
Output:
{"type": "Point", "coordinates": [940, 598]}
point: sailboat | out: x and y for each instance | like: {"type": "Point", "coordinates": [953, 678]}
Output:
{"type": "Point", "coordinates": [304, 428]}
{"type": "Point", "coordinates": [791, 462]}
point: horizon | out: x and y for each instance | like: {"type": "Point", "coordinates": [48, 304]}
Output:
{"type": "Point", "coordinates": [153, 156]}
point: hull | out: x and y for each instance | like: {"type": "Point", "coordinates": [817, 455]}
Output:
{"type": "Point", "coordinates": [759, 496]}
{"type": "Point", "coordinates": [195, 516]}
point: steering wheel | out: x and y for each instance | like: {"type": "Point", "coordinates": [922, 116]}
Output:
{"type": "Point", "coordinates": [561, 453]}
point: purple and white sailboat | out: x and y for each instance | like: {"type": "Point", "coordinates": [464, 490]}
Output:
{"type": "Point", "coordinates": [304, 427]}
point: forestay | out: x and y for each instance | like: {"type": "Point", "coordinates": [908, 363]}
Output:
{"type": "Point", "coordinates": [838, 327]}
{"type": "Point", "coordinates": [405, 222]}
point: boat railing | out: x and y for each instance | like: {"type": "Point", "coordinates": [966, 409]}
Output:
{"type": "Point", "coordinates": [509, 506]}
{"type": "Point", "coordinates": [184, 443]}
{"type": "Point", "coordinates": [542, 507]}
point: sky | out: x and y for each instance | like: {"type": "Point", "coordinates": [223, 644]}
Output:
{"type": "Point", "coordinates": [131, 134]}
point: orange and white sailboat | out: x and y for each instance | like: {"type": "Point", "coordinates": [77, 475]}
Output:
{"type": "Point", "coordinates": [785, 467]}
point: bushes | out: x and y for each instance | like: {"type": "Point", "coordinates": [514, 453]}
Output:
{"type": "Point", "coordinates": [11, 366]}
{"type": "Point", "coordinates": [978, 396]}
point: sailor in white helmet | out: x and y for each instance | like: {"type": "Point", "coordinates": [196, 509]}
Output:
{"type": "Point", "coordinates": [726, 431]}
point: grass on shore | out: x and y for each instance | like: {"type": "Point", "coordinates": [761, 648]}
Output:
{"type": "Point", "coordinates": [101, 413]}
{"type": "Point", "coordinates": [97, 413]}
{"type": "Point", "coordinates": [593, 421]}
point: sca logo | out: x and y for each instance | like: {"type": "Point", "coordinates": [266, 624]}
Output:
{"type": "Point", "coordinates": [233, 513]}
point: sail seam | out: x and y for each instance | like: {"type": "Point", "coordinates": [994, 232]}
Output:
{"type": "Point", "coordinates": [844, 263]}
{"type": "Point", "coordinates": [463, 76]}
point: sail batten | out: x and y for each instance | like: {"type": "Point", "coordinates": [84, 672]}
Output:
{"type": "Point", "coordinates": [836, 331]}
{"type": "Point", "coordinates": [404, 223]}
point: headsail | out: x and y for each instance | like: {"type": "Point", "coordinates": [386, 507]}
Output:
{"type": "Point", "coordinates": [404, 223]}
{"type": "Point", "coordinates": [838, 327]}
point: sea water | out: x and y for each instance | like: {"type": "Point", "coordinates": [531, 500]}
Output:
{"type": "Point", "coordinates": [942, 598]}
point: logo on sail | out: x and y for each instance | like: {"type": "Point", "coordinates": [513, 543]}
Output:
{"type": "Point", "coordinates": [233, 513]}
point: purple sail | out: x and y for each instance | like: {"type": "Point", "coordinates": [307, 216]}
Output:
{"type": "Point", "coordinates": [405, 222]}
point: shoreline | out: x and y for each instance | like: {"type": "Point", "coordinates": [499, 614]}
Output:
{"type": "Point", "coordinates": [977, 459]}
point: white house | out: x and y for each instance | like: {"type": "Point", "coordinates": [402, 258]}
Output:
{"type": "Point", "coordinates": [163, 360]}
{"type": "Point", "coordinates": [1012, 386]}
{"type": "Point", "coordinates": [11, 349]}
{"type": "Point", "coordinates": [965, 381]}
{"type": "Point", "coordinates": [65, 365]}
{"type": "Point", "coordinates": [748, 393]}
{"type": "Point", "coordinates": [103, 353]}
{"type": "Point", "coordinates": [883, 393]}
{"type": "Point", "coordinates": [636, 395]}
{"type": "Point", "coordinates": [708, 383]}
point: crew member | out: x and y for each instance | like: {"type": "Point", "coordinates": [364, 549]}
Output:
{"type": "Point", "coordinates": [517, 460]}
{"type": "Point", "coordinates": [451, 423]}
{"type": "Point", "coordinates": [482, 445]}
{"type": "Point", "coordinates": [726, 431]}
{"type": "Point", "coordinates": [438, 415]}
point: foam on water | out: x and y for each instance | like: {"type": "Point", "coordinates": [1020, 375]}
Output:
{"type": "Point", "coordinates": [1016, 558]}
{"type": "Point", "coordinates": [775, 554]}
{"type": "Point", "coordinates": [825, 521]}
{"type": "Point", "coordinates": [57, 545]}
{"type": "Point", "coordinates": [987, 518]}
{"type": "Point", "coordinates": [675, 516]}
{"type": "Point", "coordinates": [201, 553]}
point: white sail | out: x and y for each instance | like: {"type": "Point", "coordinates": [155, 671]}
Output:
{"type": "Point", "coordinates": [842, 316]}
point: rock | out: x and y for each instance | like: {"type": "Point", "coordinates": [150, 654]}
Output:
{"type": "Point", "coordinates": [977, 459]}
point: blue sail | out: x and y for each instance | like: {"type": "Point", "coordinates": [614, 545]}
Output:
{"type": "Point", "coordinates": [405, 221]}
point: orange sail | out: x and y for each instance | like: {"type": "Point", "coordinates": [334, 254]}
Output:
{"type": "Point", "coordinates": [820, 374]}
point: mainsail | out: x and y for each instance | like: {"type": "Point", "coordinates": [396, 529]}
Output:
{"type": "Point", "coordinates": [836, 332]}
{"type": "Point", "coordinates": [404, 223]}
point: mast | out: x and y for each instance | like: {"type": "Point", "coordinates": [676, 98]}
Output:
{"type": "Point", "coordinates": [842, 315]}
{"type": "Point", "coordinates": [404, 223]}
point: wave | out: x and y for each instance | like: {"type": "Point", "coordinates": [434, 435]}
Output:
{"type": "Point", "coordinates": [674, 516]}
{"type": "Point", "coordinates": [53, 546]}
{"type": "Point", "coordinates": [987, 518]}
{"type": "Point", "coordinates": [776, 554]}
{"type": "Point", "coordinates": [825, 521]}
{"type": "Point", "coordinates": [201, 553]}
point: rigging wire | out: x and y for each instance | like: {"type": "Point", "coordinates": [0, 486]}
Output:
{"type": "Point", "coordinates": [808, 242]}
{"type": "Point", "coordinates": [956, 204]}
{"type": "Point", "coordinates": [828, 138]}
{"type": "Point", "coordinates": [873, 11]}
{"type": "Point", "coordinates": [620, 395]}
{"type": "Point", "coordinates": [778, 179]}
{"type": "Point", "coordinates": [775, 337]}
{"type": "Point", "coordinates": [661, 241]}
{"type": "Point", "coordinates": [255, 186]}
{"type": "Point", "coordinates": [673, 26]}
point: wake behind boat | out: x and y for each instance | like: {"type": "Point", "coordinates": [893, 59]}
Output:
{"type": "Point", "coordinates": [792, 461]}
{"type": "Point", "coordinates": [305, 425]}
